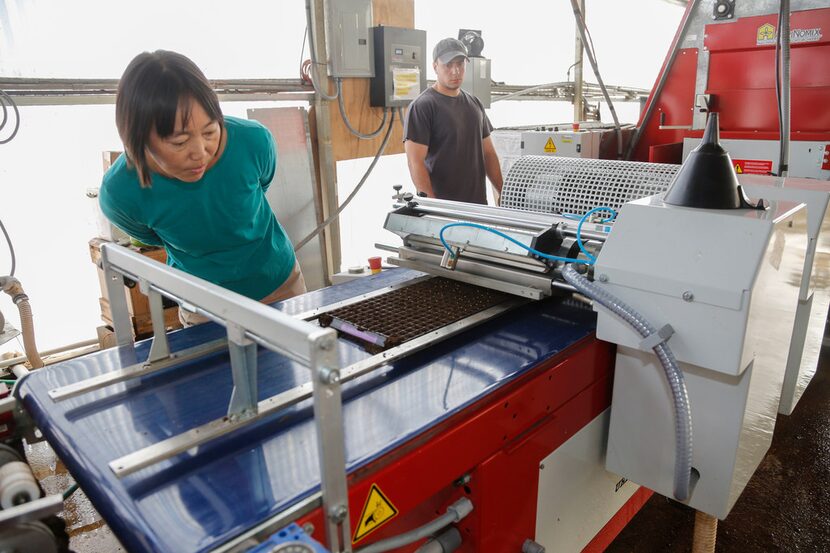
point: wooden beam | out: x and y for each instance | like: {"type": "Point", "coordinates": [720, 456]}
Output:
{"type": "Point", "coordinates": [394, 13]}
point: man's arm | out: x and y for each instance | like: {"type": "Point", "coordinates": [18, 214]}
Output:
{"type": "Point", "coordinates": [492, 166]}
{"type": "Point", "coordinates": [415, 156]}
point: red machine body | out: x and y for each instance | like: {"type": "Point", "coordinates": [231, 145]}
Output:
{"type": "Point", "coordinates": [492, 451]}
{"type": "Point", "coordinates": [740, 84]}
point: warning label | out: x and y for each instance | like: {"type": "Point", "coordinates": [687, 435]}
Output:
{"type": "Point", "coordinates": [550, 147]}
{"type": "Point", "coordinates": [377, 511]}
{"type": "Point", "coordinates": [752, 166]}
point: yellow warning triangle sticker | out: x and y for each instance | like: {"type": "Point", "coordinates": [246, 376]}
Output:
{"type": "Point", "coordinates": [738, 168]}
{"type": "Point", "coordinates": [550, 147]}
{"type": "Point", "coordinates": [377, 511]}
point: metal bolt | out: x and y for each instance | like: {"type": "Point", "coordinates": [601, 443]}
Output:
{"type": "Point", "coordinates": [603, 277]}
{"type": "Point", "coordinates": [308, 528]}
{"type": "Point", "coordinates": [542, 466]}
{"type": "Point", "coordinates": [330, 376]}
{"type": "Point", "coordinates": [463, 481]}
{"type": "Point", "coordinates": [338, 513]}
{"type": "Point", "coordinates": [688, 296]}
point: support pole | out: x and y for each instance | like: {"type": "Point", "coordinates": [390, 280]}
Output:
{"type": "Point", "coordinates": [579, 110]}
{"type": "Point", "coordinates": [328, 173]}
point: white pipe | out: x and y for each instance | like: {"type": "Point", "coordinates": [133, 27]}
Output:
{"type": "Point", "coordinates": [50, 352]}
{"type": "Point", "coordinates": [19, 371]}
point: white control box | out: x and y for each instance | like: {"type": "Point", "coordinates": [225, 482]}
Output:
{"type": "Point", "coordinates": [562, 143]}
{"type": "Point", "coordinates": [728, 282]}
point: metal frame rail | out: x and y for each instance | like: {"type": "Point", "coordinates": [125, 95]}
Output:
{"type": "Point", "coordinates": [248, 323]}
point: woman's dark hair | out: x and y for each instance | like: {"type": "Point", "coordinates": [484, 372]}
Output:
{"type": "Point", "coordinates": [153, 87]}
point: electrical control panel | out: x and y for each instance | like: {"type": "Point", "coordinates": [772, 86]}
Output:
{"type": "Point", "coordinates": [477, 80]}
{"type": "Point", "coordinates": [348, 38]}
{"type": "Point", "coordinates": [400, 66]}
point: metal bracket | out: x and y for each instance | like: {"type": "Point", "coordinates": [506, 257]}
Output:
{"type": "Point", "coordinates": [118, 303]}
{"type": "Point", "coordinates": [32, 510]}
{"type": "Point", "coordinates": [244, 369]}
{"type": "Point", "coordinates": [248, 323]}
{"type": "Point", "coordinates": [657, 338]}
{"type": "Point", "coordinates": [160, 349]}
{"type": "Point", "coordinates": [702, 102]}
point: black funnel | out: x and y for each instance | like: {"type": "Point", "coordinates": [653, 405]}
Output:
{"type": "Point", "coordinates": [707, 178]}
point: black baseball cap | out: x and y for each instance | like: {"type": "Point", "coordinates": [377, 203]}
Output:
{"type": "Point", "coordinates": [448, 49]}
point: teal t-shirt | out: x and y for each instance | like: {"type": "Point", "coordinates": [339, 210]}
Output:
{"type": "Point", "coordinates": [219, 228]}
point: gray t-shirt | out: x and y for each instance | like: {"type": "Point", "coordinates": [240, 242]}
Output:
{"type": "Point", "coordinates": [452, 127]}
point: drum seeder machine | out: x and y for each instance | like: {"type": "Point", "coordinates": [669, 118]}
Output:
{"type": "Point", "coordinates": [522, 382]}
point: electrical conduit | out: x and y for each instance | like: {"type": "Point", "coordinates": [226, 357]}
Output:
{"type": "Point", "coordinates": [677, 384]}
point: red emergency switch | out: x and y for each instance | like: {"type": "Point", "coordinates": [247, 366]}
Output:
{"type": "Point", "coordinates": [825, 162]}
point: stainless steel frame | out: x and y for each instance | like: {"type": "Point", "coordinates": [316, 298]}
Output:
{"type": "Point", "coordinates": [248, 323]}
{"type": "Point", "coordinates": [483, 258]}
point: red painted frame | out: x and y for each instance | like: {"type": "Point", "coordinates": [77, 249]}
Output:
{"type": "Point", "coordinates": [499, 442]}
{"type": "Point", "coordinates": [741, 85]}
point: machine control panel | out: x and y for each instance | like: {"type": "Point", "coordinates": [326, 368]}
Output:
{"type": "Point", "coordinates": [400, 66]}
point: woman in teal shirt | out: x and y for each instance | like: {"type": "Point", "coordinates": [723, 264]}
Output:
{"type": "Point", "coordinates": [194, 181]}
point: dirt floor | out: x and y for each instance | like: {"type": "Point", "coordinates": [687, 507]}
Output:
{"type": "Point", "coordinates": [785, 506]}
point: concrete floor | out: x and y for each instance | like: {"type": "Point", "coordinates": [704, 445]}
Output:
{"type": "Point", "coordinates": [785, 507]}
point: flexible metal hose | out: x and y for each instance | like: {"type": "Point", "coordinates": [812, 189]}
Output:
{"type": "Point", "coordinates": [782, 66]}
{"type": "Point", "coordinates": [13, 288]}
{"type": "Point", "coordinates": [342, 105]}
{"type": "Point", "coordinates": [677, 384]}
{"type": "Point", "coordinates": [354, 192]}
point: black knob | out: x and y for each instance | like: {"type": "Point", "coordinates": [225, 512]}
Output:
{"type": "Point", "coordinates": [408, 197]}
{"type": "Point", "coordinates": [397, 187]}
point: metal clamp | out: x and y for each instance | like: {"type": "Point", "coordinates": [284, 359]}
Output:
{"type": "Point", "coordinates": [655, 339]}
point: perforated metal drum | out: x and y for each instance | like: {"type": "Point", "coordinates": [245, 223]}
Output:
{"type": "Point", "coordinates": [551, 184]}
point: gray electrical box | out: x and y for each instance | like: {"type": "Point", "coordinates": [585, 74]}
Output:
{"type": "Point", "coordinates": [477, 80]}
{"type": "Point", "coordinates": [400, 66]}
{"type": "Point", "coordinates": [348, 40]}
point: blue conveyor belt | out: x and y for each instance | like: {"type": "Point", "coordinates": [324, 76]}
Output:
{"type": "Point", "coordinates": [200, 499]}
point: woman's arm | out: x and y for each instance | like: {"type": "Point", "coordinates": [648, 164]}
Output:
{"type": "Point", "coordinates": [118, 217]}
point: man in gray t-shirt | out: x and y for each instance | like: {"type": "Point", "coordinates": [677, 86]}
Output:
{"type": "Point", "coordinates": [447, 134]}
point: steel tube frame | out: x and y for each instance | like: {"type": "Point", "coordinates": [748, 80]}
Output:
{"type": "Point", "coordinates": [247, 321]}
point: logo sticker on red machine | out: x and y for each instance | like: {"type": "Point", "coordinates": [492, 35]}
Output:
{"type": "Point", "coordinates": [752, 166]}
{"type": "Point", "coordinates": [377, 511]}
{"type": "Point", "coordinates": [765, 34]}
